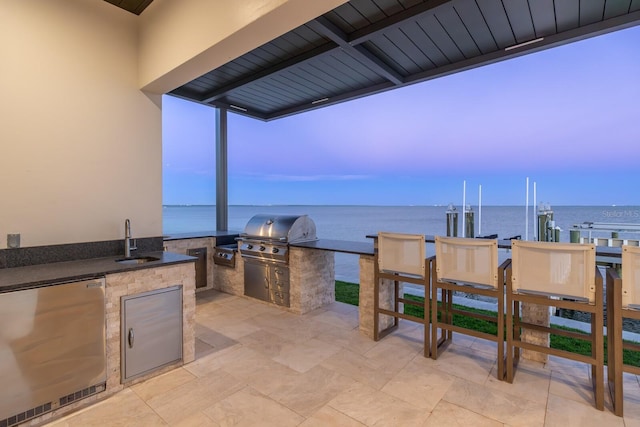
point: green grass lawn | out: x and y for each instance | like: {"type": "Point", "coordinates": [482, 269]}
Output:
{"type": "Point", "coordinates": [348, 293]}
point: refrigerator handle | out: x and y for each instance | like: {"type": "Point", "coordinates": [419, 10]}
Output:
{"type": "Point", "coordinates": [131, 337]}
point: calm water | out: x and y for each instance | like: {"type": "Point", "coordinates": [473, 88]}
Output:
{"type": "Point", "coordinates": [356, 222]}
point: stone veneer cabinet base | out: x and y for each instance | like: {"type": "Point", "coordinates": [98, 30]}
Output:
{"type": "Point", "coordinates": [311, 277]}
{"type": "Point", "coordinates": [182, 247]}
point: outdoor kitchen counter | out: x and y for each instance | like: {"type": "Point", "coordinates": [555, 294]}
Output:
{"type": "Point", "coordinates": [430, 238]}
{"type": "Point", "coordinates": [345, 246]}
{"type": "Point", "coordinates": [361, 248]}
{"type": "Point", "coordinates": [17, 278]}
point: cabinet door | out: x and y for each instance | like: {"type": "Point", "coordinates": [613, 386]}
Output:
{"type": "Point", "coordinates": [151, 331]}
{"type": "Point", "coordinates": [201, 266]}
{"type": "Point", "coordinates": [256, 279]}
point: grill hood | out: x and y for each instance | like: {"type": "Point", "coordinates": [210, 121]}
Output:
{"type": "Point", "coordinates": [281, 228]}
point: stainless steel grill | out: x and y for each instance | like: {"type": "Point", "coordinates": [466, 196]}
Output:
{"type": "Point", "coordinates": [267, 237]}
{"type": "Point", "coordinates": [264, 246]}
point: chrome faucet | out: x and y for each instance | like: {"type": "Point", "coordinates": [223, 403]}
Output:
{"type": "Point", "coordinates": [127, 239]}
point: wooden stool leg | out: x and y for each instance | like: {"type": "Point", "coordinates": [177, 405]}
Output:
{"type": "Point", "coordinates": [598, 352]}
{"type": "Point", "coordinates": [376, 306]}
{"type": "Point", "coordinates": [434, 321]}
{"type": "Point", "coordinates": [500, 336]}
{"type": "Point", "coordinates": [510, 328]}
{"type": "Point", "coordinates": [614, 342]}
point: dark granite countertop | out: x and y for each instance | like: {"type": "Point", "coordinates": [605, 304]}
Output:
{"type": "Point", "coordinates": [345, 246]}
{"type": "Point", "coordinates": [429, 238]}
{"type": "Point", "coordinates": [199, 234]}
{"type": "Point", "coordinates": [44, 274]}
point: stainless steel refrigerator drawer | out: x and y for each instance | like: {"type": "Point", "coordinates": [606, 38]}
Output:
{"type": "Point", "coordinates": [151, 331]}
{"type": "Point", "coordinates": [52, 347]}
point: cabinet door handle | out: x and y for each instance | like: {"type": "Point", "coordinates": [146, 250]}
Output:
{"type": "Point", "coordinates": [130, 338]}
{"type": "Point", "coordinates": [266, 282]}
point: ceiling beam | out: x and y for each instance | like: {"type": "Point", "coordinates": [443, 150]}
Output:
{"type": "Point", "coordinates": [358, 93]}
{"type": "Point", "coordinates": [267, 72]}
{"type": "Point", "coordinates": [219, 104]}
{"type": "Point", "coordinates": [327, 28]}
{"type": "Point", "coordinates": [248, 113]}
{"type": "Point", "coordinates": [364, 34]}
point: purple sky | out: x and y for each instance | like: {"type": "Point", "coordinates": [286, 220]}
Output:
{"type": "Point", "coordinates": [568, 118]}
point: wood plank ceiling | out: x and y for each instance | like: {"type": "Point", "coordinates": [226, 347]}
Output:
{"type": "Point", "coordinates": [368, 46]}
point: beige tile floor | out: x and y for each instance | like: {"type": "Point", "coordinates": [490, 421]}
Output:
{"type": "Point", "coordinates": [257, 365]}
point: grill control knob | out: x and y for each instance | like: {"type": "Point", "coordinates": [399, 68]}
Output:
{"type": "Point", "coordinates": [262, 248]}
{"type": "Point", "coordinates": [275, 250]}
{"type": "Point", "coordinates": [249, 246]}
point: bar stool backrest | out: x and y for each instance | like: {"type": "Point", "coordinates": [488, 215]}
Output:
{"type": "Point", "coordinates": [631, 277]}
{"type": "Point", "coordinates": [467, 261]}
{"type": "Point", "coordinates": [401, 253]}
{"type": "Point", "coordinates": [555, 269]}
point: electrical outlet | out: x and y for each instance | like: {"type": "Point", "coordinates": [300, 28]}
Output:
{"type": "Point", "coordinates": [13, 240]}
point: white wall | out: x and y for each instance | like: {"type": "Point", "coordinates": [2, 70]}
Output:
{"type": "Point", "coordinates": [80, 144]}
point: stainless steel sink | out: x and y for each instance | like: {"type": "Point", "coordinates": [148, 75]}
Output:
{"type": "Point", "coordinates": [137, 260]}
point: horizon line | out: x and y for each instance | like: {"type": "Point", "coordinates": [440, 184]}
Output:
{"type": "Point", "coordinates": [390, 206]}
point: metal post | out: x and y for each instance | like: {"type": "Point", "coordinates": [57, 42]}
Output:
{"type": "Point", "coordinates": [526, 212]}
{"type": "Point", "coordinates": [533, 212]}
{"type": "Point", "coordinates": [464, 203]}
{"type": "Point", "coordinates": [222, 201]}
{"type": "Point", "coordinates": [480, 210]}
